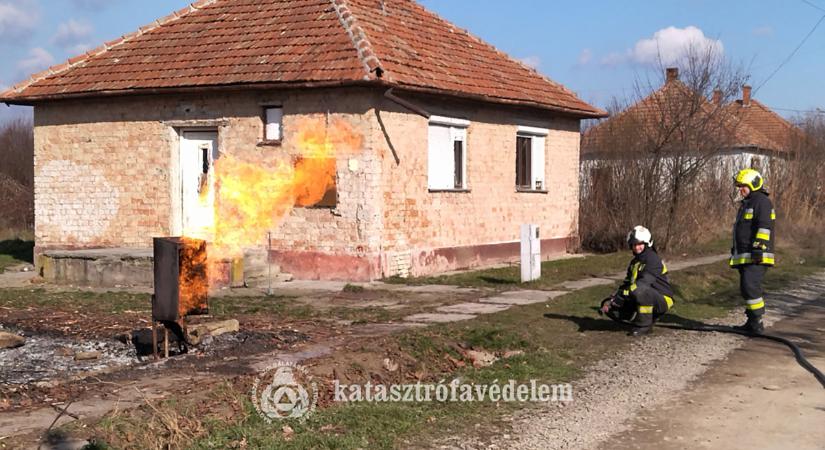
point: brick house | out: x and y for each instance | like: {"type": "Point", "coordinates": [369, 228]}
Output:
{"type": "Point", "coordinates": [780, 138]}
{"type": "Point", "coordinates": [461, 143]}
{"type": "Point", "coordinates": [748, 133]}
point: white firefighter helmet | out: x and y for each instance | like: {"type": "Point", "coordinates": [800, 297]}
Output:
{"type": "Point", "coordinates": [639, 235]}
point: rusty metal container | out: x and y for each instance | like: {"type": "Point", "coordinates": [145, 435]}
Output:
{"type": "Point", "coordinates": [181, 278]}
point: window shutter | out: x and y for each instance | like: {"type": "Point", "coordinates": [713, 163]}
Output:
{"type": "Point", "coordinates": [537, 163]}
{"type": "Point", "coordinates": [440, 161]}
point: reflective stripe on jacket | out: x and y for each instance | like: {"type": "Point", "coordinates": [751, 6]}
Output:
{"type": "Point", "coordinates": [753, 231]}
{"type": "Point", "coordinates": [646, 269]}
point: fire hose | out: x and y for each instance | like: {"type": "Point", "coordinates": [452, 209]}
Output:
{"type": "Point", "coordinates": [800, 357]}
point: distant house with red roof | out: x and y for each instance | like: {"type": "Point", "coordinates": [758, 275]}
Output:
{"type": "Point", "coordinates": [763, 130]}
{"type": "Point", "coordinates": [460, 144]}
{"type": "Point", "coordinates": [744, 132]}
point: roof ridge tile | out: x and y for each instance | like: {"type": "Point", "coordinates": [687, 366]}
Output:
{"type": "Point", "coordinates": [358, 37]}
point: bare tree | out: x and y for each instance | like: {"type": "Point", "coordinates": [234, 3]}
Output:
{"type": "Point", "coordinates": [654, 156]}
{"type": "Point", "coordinates": [799, 184]}
{"type": "Point", "coordinates": [17, 174]}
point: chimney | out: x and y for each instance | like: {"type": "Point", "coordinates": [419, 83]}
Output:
{"type": "Point", "coordinates": [672, 74]}
{"type": "Point", "coordinates": [746, 95]}
{"type": "Point", "coordinates": [717, 97]}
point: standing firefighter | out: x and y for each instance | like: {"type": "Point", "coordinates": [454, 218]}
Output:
{"type": "Point", "coordinates": [645, 292]}
{"type": "Point", "coordinates": [753, 239]}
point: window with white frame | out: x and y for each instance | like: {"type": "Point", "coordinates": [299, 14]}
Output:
{"type": "Point", "coordinates": [274, 116]}
{"type": "Point", "coordinates": [447, 153]}
{"type": "Point", "coordinates": [530, 148]}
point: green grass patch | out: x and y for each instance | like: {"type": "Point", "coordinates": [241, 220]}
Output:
{"type": "Point", "coordinates": [281, 306]}
{"type": "Point", "coordinates": [553, 273]}
{"type": "Point", "coordinates": [86, 301]}
{"type": "Point", "coordinates": [353, 288]}
{"type": "Point", "coordinates": [492, 337]}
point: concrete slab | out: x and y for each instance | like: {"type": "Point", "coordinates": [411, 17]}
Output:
{"type": "Point", "coordinates": [438, 317]}
{"type": "Point", "coordinates": [102, 253]}
{"type": "Point", "coordinates": [534, 294]}
{"type": "Point", "coordinates": [109, 267]}
{"type": "Point", "coordinates": [473, 308]}
{"type": "Point", "coordinates": [679, 265]}
{"type": "Point", "coordinates": [586, 283]}
{"type": "Point", "coordinates": [523, 297]}
{"type": "Point", "coordinates": [511, 301]}
{"type": "Point", "coordinates": [618, 276]}
{"type": "Point", "coordinates": [425, 288]}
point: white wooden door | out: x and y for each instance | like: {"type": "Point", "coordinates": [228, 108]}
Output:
{"type": "Point", "coordinates": [198, 151]}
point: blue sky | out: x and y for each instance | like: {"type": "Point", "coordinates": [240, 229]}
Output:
{"type": "Point", "coordinates": [595, 48]}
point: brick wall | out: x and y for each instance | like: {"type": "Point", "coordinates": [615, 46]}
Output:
{"type": "Point", "coordinates": [103, 168]}
{"type": "Point", "coordinates": [476, 225]}
{"type": "Point", "coordinates": [104, 174]}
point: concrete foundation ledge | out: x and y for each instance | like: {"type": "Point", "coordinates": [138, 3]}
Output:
{"type": "Point", "coordinates": [110, 267]}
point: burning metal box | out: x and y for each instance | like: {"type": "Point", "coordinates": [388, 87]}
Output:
{"type": "Point", "coordinates": [181, 278]}
{"type": "Point", "coordinates": [181, 287]}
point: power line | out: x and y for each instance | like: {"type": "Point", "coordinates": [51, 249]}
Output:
{"type": "Point", "coordinates": [814, 5]}
{"type": "Point", "coordinates": [806, 111]}
{"type": "Point", "coordinates": [805, 39]}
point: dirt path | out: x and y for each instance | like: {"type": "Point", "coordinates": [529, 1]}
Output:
{"type": "Point", "coordinates": [757, 398]}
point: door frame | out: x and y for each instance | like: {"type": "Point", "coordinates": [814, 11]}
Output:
{"type": "Point", "coordinates": [175, 182]}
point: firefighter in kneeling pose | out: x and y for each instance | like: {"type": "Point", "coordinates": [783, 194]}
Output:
{"type": "Point", "coordinates": [645, 294]}
{"type": "Point", "coordinates": [753, 238]}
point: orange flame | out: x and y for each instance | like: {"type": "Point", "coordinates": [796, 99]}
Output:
{"type": "Point", "coordinates": [193, 280]}
{"type": "Point", "coordinates": [252, 199]}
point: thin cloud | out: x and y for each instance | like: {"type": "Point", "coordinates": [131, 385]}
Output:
{"type": "Point", "coordinates": [667, 46]}
{"type": "Point", "coordinates": [72, 34]}
{"type": "Point", "coordinates": [38, 60]}
{"type": "Point", "coordinates": [585, 57]}
{"type": "Point", "coordinates": [765, 31]}
{"type": "Point", "coordinates": [17, 19]}
{"type": "Point", "coordinates": [615, 58]}
{"type": "Point", "coordinates": [531, 61]}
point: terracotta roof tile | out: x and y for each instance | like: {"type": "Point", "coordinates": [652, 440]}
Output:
{"type": "Point", "coordinates": [767, 123]}
{"type": "Point", "coordinates": [629, 129]}
{"type": "Point", "coordinates": [223, 42]}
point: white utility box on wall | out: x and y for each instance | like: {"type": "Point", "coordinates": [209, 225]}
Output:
{"type": "Point", "coordinates": [530, 253]}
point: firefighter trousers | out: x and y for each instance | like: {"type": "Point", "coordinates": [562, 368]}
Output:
{"type": "Point", "coordinates": [651, 304]}
{"type": "Point", "coordinates": [750, 286]}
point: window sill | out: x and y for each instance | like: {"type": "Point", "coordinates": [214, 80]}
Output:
{"type": "Point", "coordinates": [449, 190]}
{"type": "Point", "coordinates": [532, 191]}
{"type": "Point", "coordinates": [266, 143]}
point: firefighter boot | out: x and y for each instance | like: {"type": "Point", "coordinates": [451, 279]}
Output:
{"type": "Point", "coordinates": [640, 331]}
{"type": "Point", "coordinates": [753, 325]}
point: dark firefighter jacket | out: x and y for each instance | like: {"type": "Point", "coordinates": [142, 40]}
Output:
{"type": "Point", "coordinates": [646, 269]}
{"type": "Point", "coordinates": [753, 232]}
